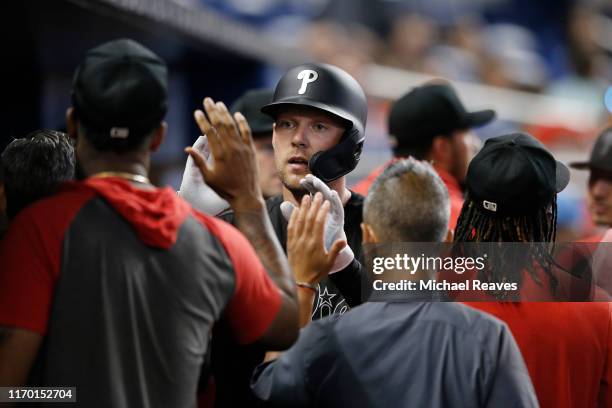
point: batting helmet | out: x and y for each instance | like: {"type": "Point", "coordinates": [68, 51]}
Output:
{"type": "Point", "coordinates": [334, 91]}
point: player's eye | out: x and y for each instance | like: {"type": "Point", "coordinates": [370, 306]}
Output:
{"type": "Point", "coordinates": [285, 124]}
{"type": "Point", "coordinates": [319, 127]}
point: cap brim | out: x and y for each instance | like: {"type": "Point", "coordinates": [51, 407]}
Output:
{"type": "Point", "coordinates": [580, 165]}
{"type": "Point", "coordinates": [272, 109]}
{"type": "Point", "coordinates": [479, 118]}
{"type": "Point", "coordinates": [562, 176]}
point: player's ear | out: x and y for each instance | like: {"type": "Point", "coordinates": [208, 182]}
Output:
{"type": "Point", "coordinates": [441, 149]}
{"type": "Point", "coordinates": [368, 234]}
{"type": "Point", "coordinates": [72, 124]}
{"type": "Point", "coordinates": [158, 136]}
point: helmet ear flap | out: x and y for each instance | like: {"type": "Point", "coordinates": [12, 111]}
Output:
{"type": "Point", "coordinates": [331, 164]}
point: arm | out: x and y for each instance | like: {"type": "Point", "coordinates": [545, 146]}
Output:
{"type": "Point", "coordinates": [292, 379]}
{"type": "Point", "coordinates": [605, 388]}
{"type": "Point", "coordinates": [511, 385]}
{"type": "Point", "coordinates": [18, 349]}
{"type": "Point", "coordinates": [308, 257]}
{"type": "Point", "coordinates": [347, 272]}
{"type": "Point", "coordinates": [234, 178]}
{"type": "Point", "coordinates": [29, 264]}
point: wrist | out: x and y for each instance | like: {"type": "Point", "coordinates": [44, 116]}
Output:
{"type": "Point", "coordinates": [306, 299]}
{"type": "Point", "coordinates": [306, 286]}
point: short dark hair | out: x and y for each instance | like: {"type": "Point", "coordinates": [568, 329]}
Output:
{"type": "Point", "coordinates": [419, 152]}
{"type": "Point", "coordinates": [34, 166]}
{"type": "Point", "coordinates": [408, 202]}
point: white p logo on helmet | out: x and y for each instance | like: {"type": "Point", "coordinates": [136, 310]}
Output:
{"type": "Point", "coordinates": [307, 76]}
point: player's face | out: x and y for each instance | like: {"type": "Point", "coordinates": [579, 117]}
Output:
{"type": "Point", "coordinates": [600, 197]}
{"type": "Point", "coordinates": [268, 175]}
{"type": "Point", "coordinates": [298, 134]}
{"type": "Point", "coordinates": [465, 145]}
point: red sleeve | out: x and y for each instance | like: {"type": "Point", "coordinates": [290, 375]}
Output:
{"type": "Point", "coordinates": [30, 258]}
{"type": "Point", "coordinates": [605, 390]}
{"type": "Point", "coordinates": [256, 300]}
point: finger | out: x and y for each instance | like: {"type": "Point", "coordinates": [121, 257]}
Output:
{"type": "Point", "coordinates": [301, 217]}
{"type": "Point", "coordinates": [307, 184]}
{"type": "Point", "coordinates": [291, 227]}
{"type": "Point", "coordinates": [314, 184]}
{"type": "Point", "coordinates": [319, 185]}
{"type": "Point", "coordinates": [312, 214]}
{"type": "Point", "coordinates": [318, 229]}
{"type": "Point", "coordinates": [213, 116]}
{"type": "Point", "coordinates": [210, 132]}
{"type": "Point", "coordinates": [201, 146]}
{"type": "Point", "coordinates": [287, 208]}
{"type": "Point", "coordinates": [245, 129]}
{"type": "Point", "coordinates": [228, 121]}
{"type": "Point", "coordinates": [336, 209]}
{"type": "Point", "coordinates": [335, 249]}
{"type": "Point", "coordinates": [229, 131]}
{"type": "Point", "coordinates": [200, 162]}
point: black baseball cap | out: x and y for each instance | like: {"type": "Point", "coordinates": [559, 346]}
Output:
{"type": "Point", "coordinates": [120, 88]}
{"type": "Point", "coordinates": [601, 155]}
{"type": "Point", "coordinates": [430, 110]}
{"type": "Point", "coordinates": [250, 104]}
{"type": "Point", "coordinates": [513, 175]}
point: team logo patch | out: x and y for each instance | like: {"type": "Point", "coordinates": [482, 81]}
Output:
{"type": "Point", "coordinates": [488, 205]}
{"type": "Point", "coordinates": [119, 132]}
{"type": "Point", "coordinates": [307, 76]}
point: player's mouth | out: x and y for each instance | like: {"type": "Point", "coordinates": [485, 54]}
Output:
{"type": "Point", "coordinates": [600, 209]}
{"type": "Point", "coordinates": [298, 164]}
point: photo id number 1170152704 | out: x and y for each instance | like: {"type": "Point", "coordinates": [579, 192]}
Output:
{"type": "Point", "coordinates": [37, 394]}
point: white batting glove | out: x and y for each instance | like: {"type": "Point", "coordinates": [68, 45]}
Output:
{"type": "Point", "coordinates": [193, 187]}
{"type": "Point", "coordinates": [334, 225]}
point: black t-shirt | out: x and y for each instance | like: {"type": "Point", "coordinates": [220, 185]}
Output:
{"type": "Point", "coordinates": [234, 364]}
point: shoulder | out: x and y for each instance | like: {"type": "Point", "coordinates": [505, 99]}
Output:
{"type": "Point", "coordinates": [356, 200]}
{"type": "Point", "coordinates": [457, 318]}
{"type": "Point", "coordinates": [273, 203]}
{"type": "Point", "coordinates": [56, 211]}
{"type": "Point", "coordinates": [220, 229]}
{"type": "Point", "coordinates": [353, 209]}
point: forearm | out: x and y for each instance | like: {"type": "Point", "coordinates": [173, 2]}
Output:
{"type": "Point", "coordinates": [305, 301]}
{"type": "Point", "coordinates": [254, 223]}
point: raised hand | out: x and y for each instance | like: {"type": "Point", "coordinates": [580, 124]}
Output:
{"type": "Point", "coordinates": [233, 171]}
{"type": "Point", "coordinates": [308, 257]}
{"type": "Point", "coordinates": [193, 187]}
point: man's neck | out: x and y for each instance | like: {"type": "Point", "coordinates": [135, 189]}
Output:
{"type": "Point", "coordinates": [131, 163]}
{"type": "Point", "coordinates": [338, 185]}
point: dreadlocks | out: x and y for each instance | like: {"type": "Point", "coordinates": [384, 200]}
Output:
{"type": "Point", "coordinates": [474, 225]}
{"type": "Point", "coordinates": [538, 228]}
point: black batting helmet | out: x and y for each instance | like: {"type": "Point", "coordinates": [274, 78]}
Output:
{"type": "Point", "coordinates": [330, 89]}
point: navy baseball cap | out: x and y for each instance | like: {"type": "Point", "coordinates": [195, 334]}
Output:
{"type": "Point", "coordinates": [430, 110]}
{"type": "Point", "coordinates": [120, 88]}
{"type": "Point", "coordinates": [601, 155]}
{"type": "Point", "coordinates": [514, 174]}
{"type": "Point", "coordinates": [250, 104]}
